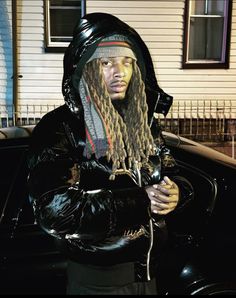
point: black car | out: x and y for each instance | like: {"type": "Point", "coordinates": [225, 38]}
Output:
{"type": "Point", "coordinates": [200, 254]}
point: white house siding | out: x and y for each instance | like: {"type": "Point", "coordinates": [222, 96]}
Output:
{"type": "Point", "coordinates": [6, 63]}
{"type": "Point", "coordinates": [41, 72]}
{"type": "Point", "coordinates": [160, 23]}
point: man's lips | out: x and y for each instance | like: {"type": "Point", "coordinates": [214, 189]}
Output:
{"type": "Point", "coordinates": [118, 84]}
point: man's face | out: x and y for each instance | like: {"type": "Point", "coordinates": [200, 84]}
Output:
{"type": "Point", "coordinates": [117, 74]}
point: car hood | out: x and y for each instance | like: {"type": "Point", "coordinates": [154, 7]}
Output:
{"type": "Point", "coordinates": [198, 149]}
{"type": "Point", "coordinates": [16, 132]}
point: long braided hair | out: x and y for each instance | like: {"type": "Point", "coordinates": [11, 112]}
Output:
{"type": "Point", "coordinates": [131, 139]}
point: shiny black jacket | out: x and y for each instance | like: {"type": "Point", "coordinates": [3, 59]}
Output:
{"type": "Point", "coordinates": [93, 219]}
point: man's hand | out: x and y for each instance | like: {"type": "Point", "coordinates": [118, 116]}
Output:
{"type": "Point", "coordinates": [164, 196]}
{"type": "Point", "coordinates": [75, 175]}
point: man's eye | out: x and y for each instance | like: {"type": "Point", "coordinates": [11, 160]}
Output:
{"type": "Point", "coordinates": [128, 62]}
{"type": "Point", "coordinates": [106, 63]}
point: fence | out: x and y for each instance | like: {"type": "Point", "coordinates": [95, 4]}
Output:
{"type": "Point", "coordinates": [212, 122]}
{"type": "Point", "coordinates": [26, 114]}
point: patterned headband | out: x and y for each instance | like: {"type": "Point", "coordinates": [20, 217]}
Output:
{"type": "Point", "coordinates": [113, 46]}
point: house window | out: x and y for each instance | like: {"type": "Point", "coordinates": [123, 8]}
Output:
{"type": "Point", "coordinates": [207, 33]}
{"type": "Point", "coordinates": [60, 18]}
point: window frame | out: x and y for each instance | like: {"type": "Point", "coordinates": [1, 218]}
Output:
{"type": "Point", "coordinates": [50, 46]}
{"type": "Point", "coordinates": [208, 64]}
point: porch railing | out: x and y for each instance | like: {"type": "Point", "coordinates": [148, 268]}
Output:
{"type": "Point", "coordinates": [212, 123]}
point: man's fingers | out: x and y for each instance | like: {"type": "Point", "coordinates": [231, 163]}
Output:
{"type": "Point", "coordinates": [167, 190]}
{"type": "Point", "coordinates": [168, 181]}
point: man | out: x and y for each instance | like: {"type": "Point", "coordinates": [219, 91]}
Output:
{"type": "Point", "coordinates": [101, 179]}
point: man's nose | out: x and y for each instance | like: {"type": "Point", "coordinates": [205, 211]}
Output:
{"type": "Point", "coordinates": [119, 70]}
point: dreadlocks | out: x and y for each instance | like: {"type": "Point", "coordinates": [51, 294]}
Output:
{"type": "Point", "coordinates": [131, 141]}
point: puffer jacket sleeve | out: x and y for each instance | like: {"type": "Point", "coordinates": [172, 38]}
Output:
{"type": "Point", "coordinates": [63, 209]}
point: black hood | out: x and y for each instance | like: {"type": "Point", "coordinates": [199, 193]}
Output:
{"type": "Point", "coordinates": [88, 32]}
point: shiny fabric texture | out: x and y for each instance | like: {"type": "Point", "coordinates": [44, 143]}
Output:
{"type": "Point", "coordinates": [95, 220]}
{"type": "Point", "coordinates": [89, 31]}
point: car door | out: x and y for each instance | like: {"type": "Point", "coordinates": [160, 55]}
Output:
{"type": "Point", "coordinates": [200, 258]}
{"type": "Point", "coordinates": [29, 261]}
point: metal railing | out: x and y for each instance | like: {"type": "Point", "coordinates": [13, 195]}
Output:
{"type": "Point", "coordinates": [211, 123]}
{"type": "Point", "coordinates": [228, 146]}
{"type": "Point", "coordinates": [26, 114]}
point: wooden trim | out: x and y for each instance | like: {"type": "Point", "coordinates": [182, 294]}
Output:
{"type": "Point", "coordinates": [15, 60]}
{"type": "Point", "coordinates": [186, 33]}
{"type": "Point", "coordinates": [228, 37]}
{"type": "Point", "coordinates": [46, 23]}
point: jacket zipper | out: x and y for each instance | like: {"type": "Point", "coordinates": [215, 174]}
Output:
{"type": "Point", "coordinates": [150, 248]}
{"type": "Point", "coordinates": [150, 230]}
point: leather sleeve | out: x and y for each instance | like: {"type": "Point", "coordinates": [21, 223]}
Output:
{"type": "Point", "coordinates": [66, 210]}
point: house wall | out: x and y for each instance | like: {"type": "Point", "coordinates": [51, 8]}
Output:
{"type": "Point", "coordinates": [6, 61]}
{"type": "Point", "coordinates": [160, 23]}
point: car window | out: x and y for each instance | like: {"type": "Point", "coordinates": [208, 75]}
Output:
{"type": "Point", "coordinates": [14, 202]}
{"type": "Point", "coordinates": [9, 160]}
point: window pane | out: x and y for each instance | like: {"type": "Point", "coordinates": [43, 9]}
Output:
{"type": "Point", "coordinates": [207, 7]}
{"type": "Point", "coordinates": [198, 7]}
{"type": "Point", "coordinates": [64, 3]}
{"type": "Point", "coordinates": [9, 158]}
{"type": "Point", "coordinates": [62, 22]}
{"type": "Point", "coordinates": [206, 38]}
{"type": "Point", "coordinates": [216, 7]}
